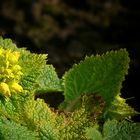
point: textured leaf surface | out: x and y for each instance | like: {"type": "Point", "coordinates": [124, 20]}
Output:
{"type": "Point", "coordinates": [119, 109]}
{"type": "Point", "coordinates": [78, 121]}
{"type": "Point", "coordinates": [32, 66]}
{"type": "Point", "coordinates": [39, 117]}
{"type": "Point", "coordinates": [34, 114]}
{"type": "Point", "coordinates": [49, 81]}
{"type": "Point", "coordinates": [50, 125]}
{"type": "Point", "coordinates": [114, 130]}
{"type": "Point", "coordinates": [14, 108]}
{"type": "Point", "coordinates": [7, 109]}
{"type": "Point", "coordinates": [97, 74]}
{"type": "Point", "coordinates": [10, 130]}
{"type": "Point", "coordinates": [93, 133]}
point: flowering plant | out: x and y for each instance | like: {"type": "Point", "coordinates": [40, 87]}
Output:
{"type": "Point", "coordinates": [92, 108]}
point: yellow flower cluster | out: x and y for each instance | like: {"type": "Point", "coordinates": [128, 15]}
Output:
{"type": "Point", "coordinates": [10, 72]}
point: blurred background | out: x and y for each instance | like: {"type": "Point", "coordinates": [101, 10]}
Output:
{"type": "Point", "coordinates": [68, 30]}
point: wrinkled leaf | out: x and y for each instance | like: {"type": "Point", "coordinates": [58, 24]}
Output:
{"type": "Point", "coordinates": [102, 75]}
{"type": "Point", "coordinates": [10, 130]}
{"type": "Point", "coordinates": [114, 130]}
{"type": "Point", "coordinates": [119, 109]}
{"type": "Point", "coordinates": [49, 81]}
{"type": "Point", "coordinates": [93, 133]}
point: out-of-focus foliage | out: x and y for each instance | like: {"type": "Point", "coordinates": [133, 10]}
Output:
{"type": "Point", "coordinates": [57, 26]}
{"type": "Point", "coordinates": [68, 30]}
{"type": "Point", "coordinates": [45, 20]}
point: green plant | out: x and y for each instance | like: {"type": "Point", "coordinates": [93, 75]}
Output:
{"type": "Point", "coordinates": [92, 108]}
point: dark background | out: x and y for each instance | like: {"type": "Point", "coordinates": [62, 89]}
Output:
{"type": "Point", "coordinates": [69, 30]}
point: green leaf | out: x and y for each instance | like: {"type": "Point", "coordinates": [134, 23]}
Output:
{"type": "Point", "coordinates": [37, 116]}
{"type": "Point", "coordinates": [52, 125]}
{"type": "Point", "coordinates": [7, 109]}
{"type": "Point", "coordinates": [32, 67]}
{"type": "Point", "coordinates": [119, 110]}
{"type": "Point", "coordinates": [102, 75]}
{"type": "Point", "coordinates": [7, 44]}
{"type": "Point", "coordinates": [49, 81]}
{"type": "Point", "coordinates": [10, 130]}
{"type": "Point", "coordinates": [14, 107]}
{"type": "Point", "coordinates": [114, 130]}
{"type": "Point", "coordinates": [93, 133]}
{"type": "Point", "coordinates": [33, 114]}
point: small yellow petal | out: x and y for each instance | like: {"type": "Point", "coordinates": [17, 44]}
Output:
{"type": "Point", "coordinates": [13, 57]}
{"type": "Point", "coordinates": [16, 68]}
{"type": "Point", "coordinates": [4, 89]}
{"type": "Point", "coordinates": [15, 87]}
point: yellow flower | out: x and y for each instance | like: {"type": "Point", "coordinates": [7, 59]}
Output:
{"type": "Point", "coordinates": [13, 57]}
{"type": "Point", "coordinates": [10, 73]}
{"type": "Point", "coordinates": [15, 87]}
{"type": "Point", "coordinates": [4, 90]}
{"type": "Point", "coordinates": [16, 68]}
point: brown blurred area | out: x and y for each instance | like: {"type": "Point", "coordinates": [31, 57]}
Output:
{"type": "Point", "coordinates": [69, 30]}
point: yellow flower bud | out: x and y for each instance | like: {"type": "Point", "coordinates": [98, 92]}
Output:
{"type": "Point", "coordinates": [4, 90]}
{"type": "Point", "coordinates": [10, 73]}
{"type": "Point", "coordinates": [15, 87]}
{"type": "Point", "coordinates": [13, 57]}
{"type": "Point", "coordinates": [16, 68]}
